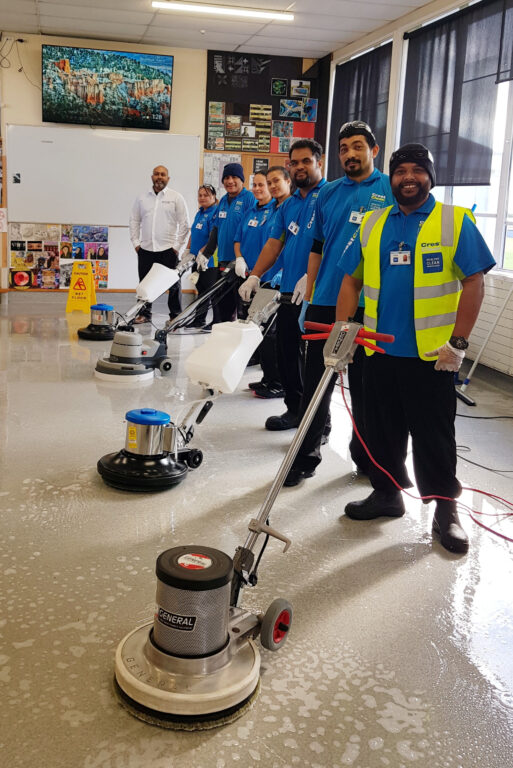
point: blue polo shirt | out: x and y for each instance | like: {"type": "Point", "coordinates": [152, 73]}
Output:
{"type": "Point", "coordinates": [293, 225]}
{"type": "Point", "coordinates": [253, 233]}
{"type": "Point", "coordinates": [228, 216]}
{"type": "Point", "coordinates": [395, 307]}
{"type": "Point", "coordinates": [201, 228]}
{"type": "Point", "coordinates": [337, 203]}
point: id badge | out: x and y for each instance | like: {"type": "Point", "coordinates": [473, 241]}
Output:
{"type": "Point", "coordinates": [223, 214]}
{"type": "Point", "coordinates": [293, 227]}
{"type": "Point", "coordinates": [199, 226]}
{"type": "Point", "coordinates": [356, 217]}
{"type": "Point", "coordinates": [252, 223]}
{"type": "Point", "coordinates": [400, 257]}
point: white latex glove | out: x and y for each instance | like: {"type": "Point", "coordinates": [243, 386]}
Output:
{"type": "Point", "coordinates": [201, 262]}
{"type": "Point", "coordinates": [186, 255]}
{"type": "Point", "coordinates": [298, 293]}
{"type": "Point", "coordinates": [194, 277]}
{"type": "Point", "coordinates": [241, 267]}
{"type": "Point", "coordinates": [449, 358]}
{"type": "Point", "coordinates": [249, 287]}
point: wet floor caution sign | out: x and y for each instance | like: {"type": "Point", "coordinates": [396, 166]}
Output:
{"type": "Point", "coordinates": [82, 293]}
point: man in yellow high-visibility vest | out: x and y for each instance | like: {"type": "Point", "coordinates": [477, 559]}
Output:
{"type": "Point", "coordinates": [421, 265]}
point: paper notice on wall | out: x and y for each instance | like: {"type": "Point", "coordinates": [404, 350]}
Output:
{"type": "Point", "coordinates": [213, 164]}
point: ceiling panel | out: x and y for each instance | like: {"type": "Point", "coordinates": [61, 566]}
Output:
{"type": "Point", "coordinates": [320, 26]}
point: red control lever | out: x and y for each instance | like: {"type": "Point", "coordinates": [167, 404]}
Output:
{"type": "Point", "coordinates": [361, 337]}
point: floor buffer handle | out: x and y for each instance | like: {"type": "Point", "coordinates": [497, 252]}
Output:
{"type": "Point", "coordinates": [338, 351]}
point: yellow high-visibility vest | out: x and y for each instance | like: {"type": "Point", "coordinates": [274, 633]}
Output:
{"type": "Point", "coordinates": [436, 293]}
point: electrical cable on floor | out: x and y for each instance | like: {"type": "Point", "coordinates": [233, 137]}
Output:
{"type": "Point", "coordinates": [470, 511]}
{"type": "Point", "coordinates": [466, 416]}
{"type": "Point", "coordinates": [476, 464]}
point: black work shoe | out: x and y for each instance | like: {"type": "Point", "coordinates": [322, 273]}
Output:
{"type": "Point", "coordinates": [446, 525]}
{"type": "Point", "coordinates": [142, 319]}
{"type": "Point", "coordinates": [287, 420]}
{"type": "Point", "coordinates": [256, 384]}
{"type": "Point", "coordinates": [268, 391]}
{"type": "Point", "coordinates": [378, 504]}
{"type": "Point", "coordinates": [295, 476]}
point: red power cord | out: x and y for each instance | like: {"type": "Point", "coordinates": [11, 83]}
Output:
{"type": "Point", "coordinates": [323, 333]}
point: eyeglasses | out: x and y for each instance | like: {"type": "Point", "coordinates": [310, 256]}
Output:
{"type": "Point", "coordinates": [411, 155]}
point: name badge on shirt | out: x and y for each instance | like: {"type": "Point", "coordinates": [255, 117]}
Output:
{"type": "Point", "coordinates": [293, 227]}
{"type": "Point", "coordinates": [252, 223]}
{"type": "Point", "coordinates": [400, 257]}
{"type": "Point", "coordinates": [223, 214]}
{"type": "Point", "coordinates": [356, 217]}
{"type": "Point", "coordinates": [199, 225]}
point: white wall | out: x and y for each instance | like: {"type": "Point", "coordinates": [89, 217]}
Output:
{"type": "Point", "coordinates": [20, 94]}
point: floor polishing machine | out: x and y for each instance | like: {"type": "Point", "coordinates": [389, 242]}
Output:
{"type": "Point", "coordinates": [135, 357]}
{"type": "Point", "coordinates": [196, 665]}
{"type": "Point", "coordinates": [157, 455]}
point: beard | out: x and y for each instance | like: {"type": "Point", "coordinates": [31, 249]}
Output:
{"type": "Point", "coordinates": [353, 172]}
{"type": "Point", "coordinates": [305, 181]}
{"type": "Point", "coordinates": [416, 199]}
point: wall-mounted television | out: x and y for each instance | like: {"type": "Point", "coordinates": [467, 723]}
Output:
{"type": "Point", "coordinates": [111, 88]}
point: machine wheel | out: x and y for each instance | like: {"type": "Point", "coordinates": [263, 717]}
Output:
{"type": "Point", "coordinates": [276, 624]}
{"type": "Point", "coordinates": [165, 366]}
{"type": "Point", "coordinates": [194, 458]}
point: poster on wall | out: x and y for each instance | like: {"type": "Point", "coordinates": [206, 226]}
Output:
{"type": "Point", "coordinates": [300, 88]}
{"type": "Point", "coordinates": [43, 262]}
{"type": "Point", "coordinates": [213, 165]}
{"type": "Point", "coordinates": [261, 90]}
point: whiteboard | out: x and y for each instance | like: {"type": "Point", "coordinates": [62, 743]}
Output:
{"type": "Point", "coordinates": [77, 175]}
{"type": "Point", "coordinates": [92, 175]}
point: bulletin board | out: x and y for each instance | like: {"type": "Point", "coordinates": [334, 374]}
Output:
{"type": "Point", "coordinates": [261, 104]}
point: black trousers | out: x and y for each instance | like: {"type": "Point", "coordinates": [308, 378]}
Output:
{"type": "Point", "coordinates": [290, 352]}
{"type": "Point", "coordinates": [224, 309]}
{"type": "Point", "coordinates": [406, 396]}
{"type": "Point", "coordinates": [169, 258]}
{"type": "Point", "coordinates": [309, 455]}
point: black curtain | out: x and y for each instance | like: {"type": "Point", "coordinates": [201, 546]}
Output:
{"type": "Point", "coordinates": [360, 93]}
{"type": "Point", "coordinates": [450, 93]}
{"type": "Point", "coordinates": [505, 67]}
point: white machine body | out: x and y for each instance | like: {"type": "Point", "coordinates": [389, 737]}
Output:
{"type": "Point", "coordinates": [220, 362]}
{"type": "Point", "coordinates": [158, 280]}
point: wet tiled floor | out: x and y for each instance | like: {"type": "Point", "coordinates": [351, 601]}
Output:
{"type": "Point", "coordinates": [400, 653]}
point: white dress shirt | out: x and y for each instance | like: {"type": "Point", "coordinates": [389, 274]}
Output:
{"type": "Point", "coordinates": [158, 222]}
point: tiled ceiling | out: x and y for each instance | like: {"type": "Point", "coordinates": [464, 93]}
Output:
{"type": "Point", "coordinates": [319, 27]}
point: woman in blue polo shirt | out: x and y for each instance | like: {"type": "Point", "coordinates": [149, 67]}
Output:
{"type": "Point", "coordinates": [200, 232]}
{"type": "Point", "coordinates": [253, 230]}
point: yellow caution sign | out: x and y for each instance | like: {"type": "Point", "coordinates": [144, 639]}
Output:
{"type": "Point", "coordinates": [82, 293]}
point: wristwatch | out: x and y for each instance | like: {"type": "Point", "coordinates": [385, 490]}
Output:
{"type": "Point", "coordinates": [458, 342]}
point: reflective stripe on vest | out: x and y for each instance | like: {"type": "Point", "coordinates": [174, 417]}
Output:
{"type": "Point", "coordinates": [436, 294]}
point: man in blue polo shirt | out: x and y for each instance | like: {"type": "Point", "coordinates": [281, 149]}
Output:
{"type": "Point", "coordinates": [291, 236]}
{"type": "Point", "coordinates": [219, 251]}
{"type": "Point", "coordinates": [340, 208]}
{"type": "Point", "coordinates": [433, 257]}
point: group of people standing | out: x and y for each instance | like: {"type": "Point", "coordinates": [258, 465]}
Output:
{"type": "Point", "coordinates": [369, 247]}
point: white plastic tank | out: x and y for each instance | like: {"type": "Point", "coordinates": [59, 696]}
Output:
{"type": "Point", "coordinates": [220, 362]}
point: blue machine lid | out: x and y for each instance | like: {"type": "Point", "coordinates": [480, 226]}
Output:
{"type": "Point", "coordinates": [148, 416]}
{"type": "Point", "coordinates": [104, 307]}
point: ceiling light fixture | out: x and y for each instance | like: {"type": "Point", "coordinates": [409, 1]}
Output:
{"type": "Point", "coordinates": [223, 10]}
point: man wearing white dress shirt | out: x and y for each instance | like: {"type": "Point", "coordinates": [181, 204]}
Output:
{"type": "Point", "coordinates": [159, 228]}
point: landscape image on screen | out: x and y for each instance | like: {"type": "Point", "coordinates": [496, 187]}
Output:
{"type": "Point", "coordinates": [111, 88]}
